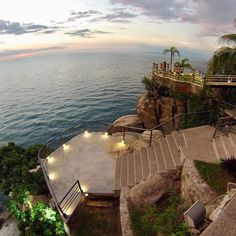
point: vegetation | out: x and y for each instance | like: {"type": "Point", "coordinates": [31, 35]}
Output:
{"type": "Point", "coordinates": [15, 163]}
{"type": "Point", "coordinates": [95, 221]}
{"type": "Point", "coordinates": [214, 175]}
{"type": "Point", "coordinates": [15, 178]}
{"type": "Point", "coordinates": [229, 165]}
{"type": "Point", "coordinates": [184, 63]}
{"type": "Point", "coordinates": [173, 51]}
{"type": "Point", "coordinates": [224, 59]}
{"type": "Point", "coordinates": [147, 82]}
{"type": "Point", "coordinates": [153, 221]}
{"type": "Point", "coordinates": [34, 220]}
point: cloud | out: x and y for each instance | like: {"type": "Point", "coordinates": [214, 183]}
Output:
{"type": "Point", "coordinates": [16, 28]}
{"type": "Point", "coordinates": [118, 15]}
{"type": "Point", "coordinates": [210, 15]}
{"type": "Point", "coordinates": [10, 53]}
{"type": "Point", "coordinates": [86, 33]}
{"type": "Point", "coordinates": [82, 14]}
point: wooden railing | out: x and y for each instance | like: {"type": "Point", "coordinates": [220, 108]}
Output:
{"type": "Point", "coordinates": [220, 79]}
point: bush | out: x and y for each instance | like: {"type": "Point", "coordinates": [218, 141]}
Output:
{"type": "Point", "coordinates": [15, 163]}
{"type": "Point", "coordinates": [164, 222]}
{"type": "Point", "coordinates": [229, 165]}
{"type": "Point", "coordinates": [147, 83]}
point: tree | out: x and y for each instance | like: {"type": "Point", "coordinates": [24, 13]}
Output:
{"type": "Point", "coordinates": [224, 59]}
{"type": "Point", "coordinates": [172, 51]}
{"type": "Point", "coordinates": [184, 63]}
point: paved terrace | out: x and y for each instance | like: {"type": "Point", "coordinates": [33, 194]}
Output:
{"type": "Point", "coordinates": [89, 158]}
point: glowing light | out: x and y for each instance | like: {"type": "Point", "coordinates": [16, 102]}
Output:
{"type": "Point", "coordinates": [86, 194]}
{"type": "Point", "coordinates": [86, 133]}
{"type": "Point", "coordinates": [229, 81]}
{"type": "Point", "coordinates": [69, 211]}
{"type": "Point", "coordinates": [51, 159]}
{"type": "Point", "coordinates": [121, 144]}
{"type": "Point", "coordinates": [66, 147]}
{"type": "Point", "coordinates": [105, 135]}
{"type": "Point", "coordinates": [84, 187]}
{"type": "Point", "coordinates": [52, 176]}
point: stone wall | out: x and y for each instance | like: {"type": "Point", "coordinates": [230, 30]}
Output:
{"type": "Point", "coordinates": [124, 213]}
{"type": "Point", "coordinates": [179, 86]}
{"type": "Point", "coordinates": [193, 187]}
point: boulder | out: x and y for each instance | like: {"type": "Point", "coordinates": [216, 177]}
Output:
{"type": "Point", "coordinates": [150, 191]}
{"type": "Point", "coordinates": [147, 110]}
{"type": "Point", "coordinates": [127, 120]}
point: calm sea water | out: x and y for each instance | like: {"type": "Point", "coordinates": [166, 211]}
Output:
{"type": "Point", "coordinates": [40, 97]}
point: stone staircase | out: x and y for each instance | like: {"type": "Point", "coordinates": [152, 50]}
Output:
{"type": "Point", "coordinates": [161, 157]}
{"type": "Point", "coordinates": [166, 154]}
{"type": "Point", "coordinates": [225, 146]}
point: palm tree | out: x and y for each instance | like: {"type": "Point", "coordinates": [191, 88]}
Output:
{"type": "Point", "coordinates": [184, 63]}
{"type": "Point", "coordinates": [173, 51]}
{"type": "Point", "coordinates": [224, 59]}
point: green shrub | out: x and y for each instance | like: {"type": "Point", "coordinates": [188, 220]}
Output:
{"type": "Point", "coordinates": [229, 165]}
{"type": "Point", "coordinates": [15, 163]}
{"type": "Point", "coordinates": [152, 221]}
{"type": "Point", "coordinates": [147, 83]}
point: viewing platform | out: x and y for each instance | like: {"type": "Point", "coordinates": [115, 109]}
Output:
{"type": "Point", "coordinates": [190, 82]}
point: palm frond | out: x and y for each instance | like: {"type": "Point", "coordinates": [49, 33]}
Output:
{"type": "Point", "coordinates": [230, 39]}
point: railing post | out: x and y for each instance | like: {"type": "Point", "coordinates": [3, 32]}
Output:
{"type": "Point", "coordinates": [150, 140]}
{"type": "Point", "coordinates": [61, 139]}
{"type": "Point", "coordinates": [123, 133]}
{"type": "Point", "coordinates": [80, 187]}
{"type": "Point", "coordinates": [210, 119]}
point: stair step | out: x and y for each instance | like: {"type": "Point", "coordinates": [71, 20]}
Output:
{"type": "Point", "coordinates": [118, 174]}
{"type": "Point", "coordinates": [124, 162]}
{"type": "Point", "coordinates": [227, 145]}
{"type": "Point", "coordinates": [145, 162]}
{"type": "Point", "coordinates": [153, 169]}
{"type": "Point", "coordinates": [131, 170]}
{"type": "Point", "coordinates": [159, 157]}
{"type": "Point", "coordinates": [179, 138]}
{"type": "Point", "coordinates": [138, 166]}
{"type": "Point", "coordinates": [219, 148]}
{"type": "Point", "coordinates": [174, 150]}
{"type": "Point", "coordinates": [167, 157]}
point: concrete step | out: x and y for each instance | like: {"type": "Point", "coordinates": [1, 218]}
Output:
{"type": "Point", "coordinates": [131, 170]}
{"type": "Point", "coordinates": [145, 163]}
{"type": "Point", "coordinates": [229, 146]}
{"type": "Point", "coordinates": [166, 154]}
{"type": "Point", "coordinates": [231, 137]}
{"type": "Point", "coordinates": [219, 148]}
{"type": "Point", "coordinates": [161, 166]}
{"type": "Point", "coordinates": [174, 150]}
{"type": "Point", "coordinates": [138, 166]}
{"type": "Point", "coordinates": [153, 169]}
{"type": "Point", "coordinates": [179, 138]}
{"type": "Point", "coordinates": [124, 163]}
{"type": "Point", "coordinates": [118, 174]}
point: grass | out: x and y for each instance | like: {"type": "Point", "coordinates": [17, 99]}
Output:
{"type": "Point", "coordinates": [97, 221]}
{"type": "Point", "coordinates": [165, 218]}
{"type": "Point", "coordinates": [214, 175]}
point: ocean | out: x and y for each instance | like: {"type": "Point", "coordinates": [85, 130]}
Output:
{"type": "Point", "coordinates": [42, 96]}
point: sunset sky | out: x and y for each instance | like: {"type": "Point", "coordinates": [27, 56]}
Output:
{"type": "Point", "coordinates": [29, 27]}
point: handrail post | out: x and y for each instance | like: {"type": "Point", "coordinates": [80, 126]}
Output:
{"type": "Point", "coordinates": [123, 133]}
{"type": "Point", "coordinates": [150, 140]}
{"type": "Point", "coordinates": [80, 187]}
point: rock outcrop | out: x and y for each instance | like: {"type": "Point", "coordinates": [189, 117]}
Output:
{"type": "Point", "coordinates": [127, 120]}
{"type": "Point", "coordinates": [150, 191]}
{"type": "Point", "coordinates": [193, 187]}
{"type": "Point", "coordinates": [154, 109]}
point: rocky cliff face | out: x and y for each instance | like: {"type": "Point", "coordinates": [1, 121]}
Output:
{"type": "Point", "coordinates": [155, 109]}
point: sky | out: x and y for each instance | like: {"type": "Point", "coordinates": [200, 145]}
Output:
{"type": "Point", "coordinates": [29, 27]}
